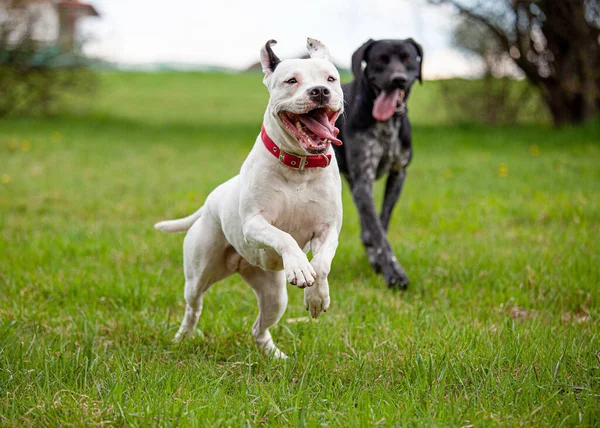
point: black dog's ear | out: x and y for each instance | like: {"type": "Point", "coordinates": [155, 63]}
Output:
{"type": "Point", "coordinates": [268, 59]}
{"type": "Point", "coordinates": [359, 56]}
{"type": "Point", "coordinates": [420, 58]}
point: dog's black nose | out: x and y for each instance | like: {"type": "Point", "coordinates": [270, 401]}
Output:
{"type": "Point", "coordinates": [399, 81]}
{"type": "Point", "coordinates": [319, 94]}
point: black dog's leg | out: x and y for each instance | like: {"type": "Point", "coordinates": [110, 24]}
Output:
{"type": "Point", "coordinates": [393, 189]}
{"type": "Point", "coordinates": [380, 252]}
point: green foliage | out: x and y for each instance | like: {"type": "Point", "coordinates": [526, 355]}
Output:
{"type": "Point", "coordinates": [492, 101]}
{"type": "Point", "coordinates": [37, 78]}
{"type": "Point", "coordinates": [498, 228]}
{"type": "Point", "coordinates": [43, 91]}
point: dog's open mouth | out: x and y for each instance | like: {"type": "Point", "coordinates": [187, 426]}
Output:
{"type": "Point", "coordinates": [315, 130]}
{"type": "Point", "coordinates": [386, 103]}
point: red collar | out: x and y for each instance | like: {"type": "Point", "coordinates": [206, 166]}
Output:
{"type": "Point", "coordinates": [294, 161]}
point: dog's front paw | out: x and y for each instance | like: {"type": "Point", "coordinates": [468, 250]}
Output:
{"type": "Point", "coordinates": [316, 300]}
{"type": "Point", "coordinates": [395, 276]}
{"type": "Point", "coordinates": [298, 270]}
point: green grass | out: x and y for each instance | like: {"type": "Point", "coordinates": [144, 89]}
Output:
{"type": "Point", "coordinates": [498, 228]}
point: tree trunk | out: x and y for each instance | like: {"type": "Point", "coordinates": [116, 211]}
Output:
{"type": "Point", "coordinates": [571, 105]}
{"type": "Point", "coordinates": [563, 110]}
{"type": "Point", "coordinates": [572, 88]}
{"type": "Point", "coordinates": [557, 45]}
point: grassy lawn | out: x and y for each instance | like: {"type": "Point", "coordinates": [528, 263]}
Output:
{"type": "Point", "coordinates": [498, 229]}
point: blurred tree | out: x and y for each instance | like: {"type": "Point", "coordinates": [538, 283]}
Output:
{"type": "Point", "coordinates": [496, 98]}
{"type": "Point", "coordinates": [35, 76]}
{"type": "Point", "coordinates": [556, 43]}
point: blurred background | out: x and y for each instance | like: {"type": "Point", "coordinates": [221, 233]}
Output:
{"type": "Point", "coordinates": [527, 60]}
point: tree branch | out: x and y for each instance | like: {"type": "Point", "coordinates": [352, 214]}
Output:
{"type": "Point", "coordinates": [470, 13]}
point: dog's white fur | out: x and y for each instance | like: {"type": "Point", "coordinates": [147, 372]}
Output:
{"type": "Point", "coordinates": [262, 222]}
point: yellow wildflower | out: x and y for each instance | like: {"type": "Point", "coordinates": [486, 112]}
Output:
{"type": "Point", "coordinates": [534, 150]}
{"type": "Point", "coordinates": [56, 137]}
{"type": "Point", "coordinates": [502, 170]}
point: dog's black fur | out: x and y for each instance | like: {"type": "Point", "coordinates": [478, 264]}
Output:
{"type": "Point", "coordinates": [374, 148]}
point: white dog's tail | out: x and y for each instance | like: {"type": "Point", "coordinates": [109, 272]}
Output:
{"type": "Point", "coordinates": [179, 225]}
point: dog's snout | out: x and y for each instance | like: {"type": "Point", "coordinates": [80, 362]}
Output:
{"type": "Point", "coordinates": [319, 94]}
{"type": "Point", "coordinates": [399, 81]}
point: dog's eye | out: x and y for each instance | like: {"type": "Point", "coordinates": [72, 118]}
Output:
{"type": "Point", "coordinates": [331, 79]}
{"type": "Point", "coordinates": [291, 81]}
{"type": "Point", "coordinates": [408, 61]}
{"type": "Point", "coordinates": [382, 60]}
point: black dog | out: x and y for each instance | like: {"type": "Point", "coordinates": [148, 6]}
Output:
{"type": "Point", "coordinates": [377, 140]}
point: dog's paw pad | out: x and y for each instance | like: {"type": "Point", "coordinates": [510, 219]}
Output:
{"type": "Point", "coordinates": [316, 302]}
{"type": "Point", "coordinates": [299, 272]}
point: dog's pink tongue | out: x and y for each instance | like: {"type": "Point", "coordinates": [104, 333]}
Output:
{"type": "Point", "coordinates": [319, 124]}
{"type": "Point", "coordinates": [385, 105]}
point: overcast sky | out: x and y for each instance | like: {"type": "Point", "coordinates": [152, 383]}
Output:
{"type": "Point", "coordinates": [230, 32]}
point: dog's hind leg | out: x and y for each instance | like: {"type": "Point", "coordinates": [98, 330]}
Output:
{"type": "Point", "coordinates": [393, 189]}
{"type": "Point", "coordinates": [204, 262]}
{"type": "Point", "coordinates": [272, 300]}
{"type": "Point", "coordinates": [194, 293]}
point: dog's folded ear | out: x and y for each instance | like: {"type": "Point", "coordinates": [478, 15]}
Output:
{"type": "Point", "coordinates": [317, 49]}
{"type": "Point", "coordinates": [268, 59]}
{"type": "Point", "coordinates": [359, 56]}
{"type": "Point", "coordinates": [420, 58]}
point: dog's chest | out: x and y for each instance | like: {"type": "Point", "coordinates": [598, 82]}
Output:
{"type": "Point", "coordinates": [386, 132]}
{"type": "Point", "coordinates": [300, 210]}
{"type": "Point", "coordinates": [385, 136]}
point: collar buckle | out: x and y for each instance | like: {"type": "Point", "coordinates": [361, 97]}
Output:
{"type": "Point", "coordinates": [295, 164]}
{"type": "Point", "coordinates": [303, 162]}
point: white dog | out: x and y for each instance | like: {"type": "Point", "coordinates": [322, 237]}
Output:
{"type": "Point", "coordinates": [285, 201]}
